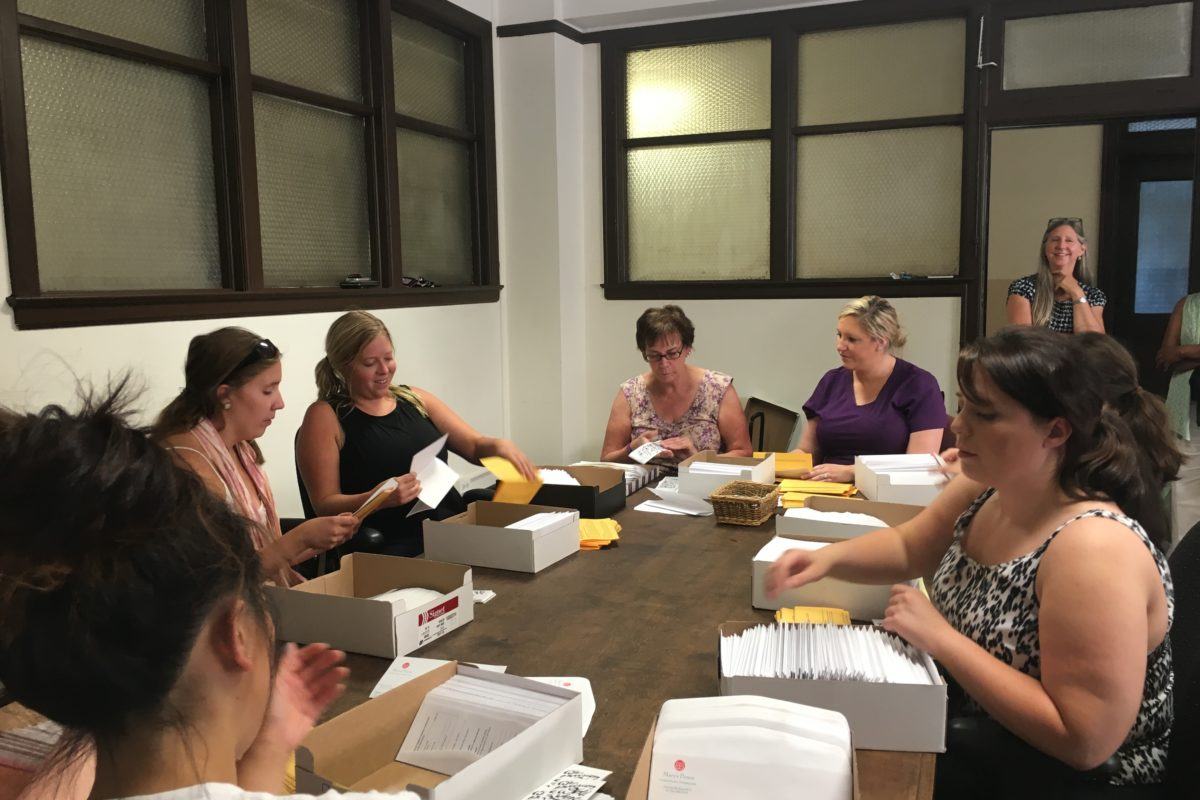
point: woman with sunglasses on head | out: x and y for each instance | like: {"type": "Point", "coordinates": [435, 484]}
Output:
{"type": "Point", "coordinates": [1051, 604]}
{"type": "Point", "coordinates": [134, 616]}
{"type": "Point", "coordinates": [364, 430]}
{"type": "Point", "coordinates": [684, 408]}
{"type": "Point", "coordinates": [875, 403]}
{"type": "Point", "coordinates": [230, 396]}
{"type": "Point", "coordinates": [1059, 295]}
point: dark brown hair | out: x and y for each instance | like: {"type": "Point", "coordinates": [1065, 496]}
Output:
{"type": "Point", "coordinates": [212, 361]}
{"type": "Point", "coordinates": [111, 559]}
{"type": "Point", "coordinates": [655, 323]}
{"type": "Point", "coordinates": [1120, 448]}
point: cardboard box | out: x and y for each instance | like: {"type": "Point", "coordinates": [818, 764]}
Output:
{"type": "Point", "coordinates": [337, 608]}
{"type": "Point", "coordinates": [601, 492]}
{"type": "Point", "coordinates": [883, 716]}
{"type": "Point", "coordinates": [639, 784]}
{"type": "Point", "coordinates": [356, 751]}
{"type": "Point", "coordinates": [821, 531]}
{"type": "Point", "coordinates": [863, 601]}
{"type": "Point", "coordinates": [910, 486]}
{"type": "Point", "coordinates": [758, 470]}
{"type": "Point", "coordinates": [478, 537]}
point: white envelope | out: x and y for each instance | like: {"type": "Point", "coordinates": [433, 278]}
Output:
{"type": "Point", "coordinates": [435, 475]}
{"type": "Point", "coordinates": [678, 501]}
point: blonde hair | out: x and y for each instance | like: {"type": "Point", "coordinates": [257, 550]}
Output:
{"type": "Point", "coordinates": [347, 336]}
{"type": "Point", "coordinates": [878, 318]}
{"type": "Point", "coordinates": [1043, 298]}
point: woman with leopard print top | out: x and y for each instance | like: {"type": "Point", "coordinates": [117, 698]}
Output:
{"type": "Point", "coordinates": [1051, 604]}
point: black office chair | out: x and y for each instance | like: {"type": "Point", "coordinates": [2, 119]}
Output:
{"type": "Point", "coordinates": [367, 540]}
{"type": "Point", "coordinates": [1183, 767]}
{"type": "Point", "coordinates": [775, 425]}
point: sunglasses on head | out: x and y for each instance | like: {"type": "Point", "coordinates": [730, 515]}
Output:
{"type": "Point", "coordinates": [1074, 222]}
{"type": "Point", "coordinates": [263, 350]}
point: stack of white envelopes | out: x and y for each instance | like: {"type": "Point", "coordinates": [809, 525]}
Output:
{"type": "Point", "coordinates": [750, 747]}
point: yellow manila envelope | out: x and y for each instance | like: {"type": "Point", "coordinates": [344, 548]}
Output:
{"type": "Point", "coordinates": [512, 486]}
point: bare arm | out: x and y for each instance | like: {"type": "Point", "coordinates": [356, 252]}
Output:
{"type": "Point", "coordinates": [1172, 355]}
{"type": "Point", "coordinates": [731, 422]}
{"type": "Point", "coordinates": [808, 440]}
{"type": "Point", "coordinates": [318, 454]}
{"type": "Point", "coordinates": [470, 443]}
{"type": "Point", "coordinates": [1097, 587]}
{"type": "Point", "coordinates": [888, 555]}
{"type": "Point", "coordinates": [1088, 318]}
{"type": "Point", "coordinates": [1018, 310]}
{"type": "Point", "coordinates": [618, 441]}
{"type": "Point", "coordinates": [926, 441]}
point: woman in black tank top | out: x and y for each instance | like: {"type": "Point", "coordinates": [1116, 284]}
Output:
{"type": "Point", "coordinates": [363, 430]}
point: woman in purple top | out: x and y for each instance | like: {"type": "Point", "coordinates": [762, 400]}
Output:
{"type": "Point", "coordinates": [875, 403]}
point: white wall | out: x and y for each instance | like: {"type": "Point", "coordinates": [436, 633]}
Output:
{"type": "Point", "coordinates": [451, 350]}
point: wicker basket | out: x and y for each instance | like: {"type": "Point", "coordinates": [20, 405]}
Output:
{"type": "Point", "coordinates": [744, 502]}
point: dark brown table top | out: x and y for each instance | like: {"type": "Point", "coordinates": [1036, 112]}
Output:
{"type": "Point", "coordinates": [639, 620]}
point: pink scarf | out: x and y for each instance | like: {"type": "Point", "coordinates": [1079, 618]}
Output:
{"type": "Point", "coordinates": [264, 531]}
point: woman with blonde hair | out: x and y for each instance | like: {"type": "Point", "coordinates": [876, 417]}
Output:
{"type": "Point", "coordinates": [364, 429]}
{"type": "Point", "coordinates": [230, 396]}
{"type": "Point", "coordinates": [875, 403]}
{"type": "Point", "coordinates": [1059, 295]}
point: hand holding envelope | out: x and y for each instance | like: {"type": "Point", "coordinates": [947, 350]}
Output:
{"type": "Point", "coordinates": [511, 487]}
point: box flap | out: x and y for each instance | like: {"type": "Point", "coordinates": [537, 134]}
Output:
{"type": "Point", "coordinates": [352, 746]}
{"type": "Point", "coordinates": [639, 783]}
{"type": "Point", "coordinates": [374, 574]}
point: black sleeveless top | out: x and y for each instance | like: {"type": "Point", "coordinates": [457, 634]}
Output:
{"type": "Point", "coordinates": [378, 448]}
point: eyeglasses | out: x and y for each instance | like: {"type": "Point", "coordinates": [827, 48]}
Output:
{"type": "Point", "coordinates": [263, 349]}
{"type": "Point", "coordinates": [670, 355]}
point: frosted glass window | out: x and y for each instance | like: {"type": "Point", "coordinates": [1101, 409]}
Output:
{"type": "Point", "coordinates": [430, 73]}
{"type": "Point", "coordinates": [699, 88]}
{"type": "Point", "coordinates": [1164, 237]}
{"type": "Point", "coordinates": [309, 43]}
{"type": "Point", "coordinates": [312, 193]}
{"type": "Point", "coordinates": [1098, 46]}
{"type": "Point", "coordinates": [1154, 125]}
{"type": "Point", "coordinates": [877, 202]}
{"type": "Point", "coordinates": [882, 72]}
{"type": "Point", "coordinates": [120, 157]}
{"type": "Point", "coordinates": [699, 212]}
{"type": "Point", "coordinates": [435, 208]}
{"type": "Point", "coordinates": [175, 25]}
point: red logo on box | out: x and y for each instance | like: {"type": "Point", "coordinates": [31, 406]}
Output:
{"type": "Point", "coordinates": [404, 665]}
{"type": "Point", "coordinates": [679, 765]}
{"type": "Point", "coordinates": [437, 611]}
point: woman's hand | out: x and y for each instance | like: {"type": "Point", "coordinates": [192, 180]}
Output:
{"type": "Point", "coordinates": [507, 449]}
{"type": "Point", "coordinates": [951, 463]}
{"type": "Point", "coordinates": [307, 680]}
{"type": "Point", "coordinates": [796, 568]}
{"type": "Point", "coordinates": [681, 447]}
{"type": "Point", "coordinates": [834, 473]}
{"type": "Point", "coordinates": [323, 533]}
{"type": "Point", "coordinates": [912, 616]}
{"type": "Point", "coordinates": [1167, 357]}
{"type": "Point", "coordinates": [407, 489]}
{"type": "Point", "coordinates": [647, 437]}
{"type": "Point", "coordinates": [1065, 285]}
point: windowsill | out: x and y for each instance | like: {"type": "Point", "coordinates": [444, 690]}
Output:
{"type": "Point", "coordinates": [62, 309]}
{"type": "Point", "coordinates": [813, 288]}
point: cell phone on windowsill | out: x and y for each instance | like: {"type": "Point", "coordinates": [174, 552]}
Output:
{"type": "Point", "coordinates": [357, 281]}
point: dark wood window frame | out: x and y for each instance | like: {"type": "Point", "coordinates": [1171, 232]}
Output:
{"type": "Point", "coordinates": [233, 86]}
{"type": "Point", "coordinates": [985, 106]}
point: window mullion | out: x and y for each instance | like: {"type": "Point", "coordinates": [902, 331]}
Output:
{"type": "Point", "coordinates": [381, 146]}
{"type": "Point", "coordinates": [14, 149]}
{"type": "Point", "coordinates": [783, 178]}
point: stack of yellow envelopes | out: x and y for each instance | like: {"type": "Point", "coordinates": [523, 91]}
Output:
{"type": "Point", "coordinates": [511, 486]}
{"type": "Point", "coordinates": [814, 615]}
{"type": "Point", "coordinates": [790, 465]}
{"type": "Point", "coordinates": [794, 492]}
{"type": "Point", "coordinates": [595, 534]}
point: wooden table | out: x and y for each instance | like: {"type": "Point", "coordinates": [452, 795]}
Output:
{"type": "Point", "coordinates": [639, 620]}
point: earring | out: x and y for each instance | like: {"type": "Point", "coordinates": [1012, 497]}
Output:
{"type": "Point", "coordinates": [226, 405]}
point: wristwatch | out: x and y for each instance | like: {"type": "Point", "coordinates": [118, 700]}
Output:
{"type": "Point", "coordinates": [1082, 300]}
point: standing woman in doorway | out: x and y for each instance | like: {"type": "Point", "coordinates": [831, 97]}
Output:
{"type": "Point", "coordinates": [1059, 295]}
{"type": "Point", "coordinates": [874, 403]}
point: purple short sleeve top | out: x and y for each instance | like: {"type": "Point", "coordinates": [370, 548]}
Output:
{"type": "Point", "coordinates": [910, 400]}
